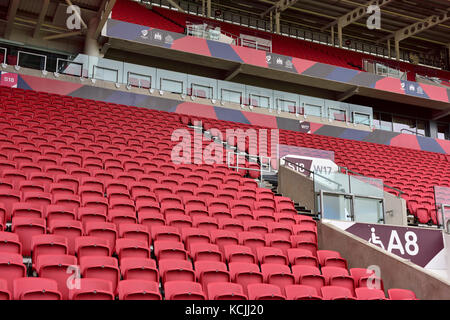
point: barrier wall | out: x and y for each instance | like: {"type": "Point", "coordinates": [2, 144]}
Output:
{"type": "Point", "coordinates": [395, 271]}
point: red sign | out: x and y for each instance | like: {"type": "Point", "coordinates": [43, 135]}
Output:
{"type": "Point", "coordinates": [9, 79]}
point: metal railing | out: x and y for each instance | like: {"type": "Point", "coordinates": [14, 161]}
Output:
{"type": "Point", "coordinates": [347, 170]}
{"type": "Point", "coordinates": [24, 53]}
{"type": "Point", "coordinates": [413, 132]}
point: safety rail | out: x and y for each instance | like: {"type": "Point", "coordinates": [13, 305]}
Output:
{"type": "Point", "coordinates": [347, 170]}
{"type": "Point", "coordinates": [415, 133]}
{"type": "Point", "coordinates": [4, 54]}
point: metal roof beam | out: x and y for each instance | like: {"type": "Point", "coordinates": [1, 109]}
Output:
{"type": "Point", "coordinates": [356, 14]}
{"type": "Point", "coordinates": [279, 6]}
{"type": "Point", "coordinates": [417, 27]}
{"type": "Point", "coordinates": [12, 12]}
{"type": "Point", "coordinates": [104, 14]}
{"type": "Point", "coordinates": [173, 3]}
{"type": "Point", "coordinates": [41, 18]}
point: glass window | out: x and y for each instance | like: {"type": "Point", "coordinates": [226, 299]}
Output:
{"type": "Point", "coordinates": [171, 85]}
{"type": "Point", "coordinates": [337, 114]}
{"type": "Point", "coordinates": [422, 128]}
{"type": "Point", "coordinates": [312, 110]}
{"type": "Point", "coordinates": [259, 101]}
{"type": "Point", "coordinates": [32, 60]}
{"type": "Point", "coordinates": [404, 125]}
{"type": "Point", "coordinates": [139, 80]}
{"type": "Point", "coordinates": [202, 91]}
{"type": "Point", "coordinates": [287, 105]}
{"type": "Point", "coordinates": [382, 121]}
{"type": "Point", "coordinates": [231, 96]}
{"type": "Point", "coordinates": [70, 68]}
{"type": "Point", "coordinates": [106, 74]}
{"type": "Point", "coordinates": [443, 131]}
{"type": "Point", "coordinates": [361, 118]}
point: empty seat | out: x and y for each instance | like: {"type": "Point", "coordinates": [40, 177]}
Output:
{"type": "Point", "coordinates": [309, 276]}
{"type": "Point", "coordinates": [331, 258]}
{"type": "Point", "coordinates": [11, 267]}
{"type": "Point", "coordinates": [23, 209]}
{"type": "Point", "coordinates": [335, 276]}
{"type": "Point", "coordinates": [366, 277]}
{"type": "Point", "coordinates": [195, 235]}
{"type": "Point", "coordinates": [59, 212]}
{"type": "Point", "coordinates": [302, 257]}
{"type": "Point", "coordinates": [271, 255]}
{"type": "Point", "coordinates": [277, 274]}
{"type": "Point", "coordinates": [225, 291]}
{"type": "Point", "coordinates": [238, 253]}
{"type": "Point", "coordinates": [92, 246]}
{"type": "Point", "coordinates": [169, 250]}
{"type": "Point", "coordinates": [165, 233]}
{"type": "Point", "coordinates": [369, 294]}
{"type": "Point", "coordinates": [71, 229]}
{"type": "Point", "coordinates": [134, 231]}
{"type": "Point", "coordinates": [105, 268]}
{"type": "Point", "coordinates": [5, 293]}
{"type": "Point", "coordinates": [127, 247]}
{"type": "Point", "coordinates": [56, 267]}
{"type": "Point", "coordinates": [26, 228]}
{"type": "Point", "coordinates": [401, 294]}
{"type": "Point", "coordinates": [211, 271]}
{"type": "Point", "coordinates": [92, 289]}
{"type": "Point", "coordinates": [138, 290]}
{"type": "Point", "coordinates": [245, 274]}
{"type": "Point", "coordinates": [139, 269]}
{"type": "Point", "coordinates": [86, 215]}
{"type": "Point", "coordinates": [252, 240]}
{"type": "Point", "coordinates": [301, 292]}
{"type": "Point", "coordinates": [105, 230]}
{"type": "Point", "coordinates": [205, 251]}
{"type": "Point", "coordinates": [182, 290]}
{"type": "Point", "coordinates": [10, 243]}
{"type": "Point", "coordinates": [264, 291]}
{"type": "Point", "coordinates": [176, 270]}
{"type": "Point", "coordinates": [336, 293]}
{"type": "Point", "coordinates": [36, 289]}
{"type": "Point", "coordinates": [48, 244]}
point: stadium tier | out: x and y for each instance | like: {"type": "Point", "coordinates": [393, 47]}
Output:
{"type": "Point", "coordinates": [170, 20]}
{"type": "Point", "coordinates": [91, 183]}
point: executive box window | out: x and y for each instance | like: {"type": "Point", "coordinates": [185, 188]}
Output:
{"type": "Point", "coordinates": [259, 101]}
{"type": "Point", "coordinates": [106, 74]}
{"type": "Point", "coordinates": [231, 96]}
{"type": "Point", "coordinates": [139, 80]}
{"type": "Point", "coordinates": [312, 110]}
{"type": "Point", "coordinates": [287, 105]}
{"type": "Point", "coordinates": [405, 125]}
{"type": "Point", "coordinates": [443, 131]}
{"type": "Point", "coordinates": [337, 114]}
{"type": "Point", "coordinates": [171, 85]}
{"type": "Point", "coordinates": [361, 118]}
{"type": "Point", "coordinates": [201, 91]}
{"type": "Point", "coordinates": [382, 121]}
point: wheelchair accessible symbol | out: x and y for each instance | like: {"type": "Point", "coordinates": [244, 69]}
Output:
{"type": "Point", "coordinates": [374, 239]}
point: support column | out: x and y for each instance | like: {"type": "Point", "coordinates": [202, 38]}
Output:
{"type": "Point", "coordinates": [389, 47]}
{"type": "Point", "coordinates": [397, 49]}
{"type": "Point", "coordinates": [91, 46]}
{"type": "Point", "coordinates": [332, 35]}
{"type": "Point", "coordinates": [208, 8]}
{"type": "Point", "coordinates": [340, 35]}
{"type": "Point", "coordinates": [271, 22]}
{"type": "Point", "coordinates": [277, 22]}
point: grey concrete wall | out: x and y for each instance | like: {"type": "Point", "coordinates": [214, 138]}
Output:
{"type": "Point", "coordinates": [297, 187]}
{"type": "Point", "coordinates": [395, 271]}
{"type": "Point", "coordinates": [395, 210]}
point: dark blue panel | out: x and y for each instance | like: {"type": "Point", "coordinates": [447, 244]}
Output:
{"type": "Point", "coordinates": [429, 144]}
{"type": "Point", "coordinates": [223, 50]}
{"type": "Point", "coordinates": [230, 115]}
{"type": "Point", "coordinates": [21, 84]}
{"type": "Point", "coordinates": [354, 134]}
{"type": "Point", "coordinates": [342, 74]}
